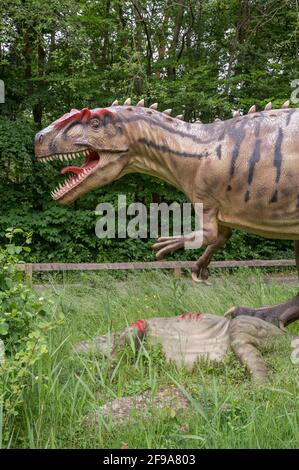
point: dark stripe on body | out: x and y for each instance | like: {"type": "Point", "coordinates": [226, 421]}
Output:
{"type": "Point", "coordinates": [257, 126]}
{"type": "Point", "coordinates": [166, 149]}
{"type": "Point", "coordinates": [290, 114]}
{"type": "Point", "coordinates": [238, 135]}
{"type": "Point", "coordinates": [247, 196]}
{"type": "Point", "coordinates": [173, 130]}
{"type": "Point", "coordinates": [218, 152]}
{"type": "Point", "coordinates": [254, 159]}
{"type": "Point", "coordinates": [278, 155]}
{"type": "Point", "coordinates": [274, 196]}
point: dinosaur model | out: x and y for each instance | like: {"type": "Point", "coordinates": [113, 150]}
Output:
{"type": "Point", "coordinates": [245, 170]}
{"type": "Point", "coordinates": [189, 337]}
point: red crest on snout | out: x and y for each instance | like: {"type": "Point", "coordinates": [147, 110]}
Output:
{"type": "Point", "coordinates": [84, 115]}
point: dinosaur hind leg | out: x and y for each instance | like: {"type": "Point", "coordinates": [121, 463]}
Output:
{"type": "Point", "coordinates": [200, 271]}
{"type": "Point", "coordinates": [246, 335]}
{"type": "Point", "coordinates": [280, 315]}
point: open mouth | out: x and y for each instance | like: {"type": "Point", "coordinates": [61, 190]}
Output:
{"type": "Point", "coordinates": [78, 173]}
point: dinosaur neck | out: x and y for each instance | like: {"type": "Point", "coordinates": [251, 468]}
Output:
{"type": "Point", "coordinates": [169, 149]}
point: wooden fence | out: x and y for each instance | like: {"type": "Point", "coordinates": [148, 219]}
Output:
{"type": "Point", "coordinates": [177, 266]}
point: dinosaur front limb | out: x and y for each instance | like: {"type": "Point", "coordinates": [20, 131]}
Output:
{"type": "Point", "coordinates": [200, 271]}
{"type": "Point", "coordinates": [165, 245]}
{"type": "Point", "coordinates": [280, 315]}
{"type": "Point", "coordinates": [246, 335]}
{"type": "Point", "coordinates": [207, 236]}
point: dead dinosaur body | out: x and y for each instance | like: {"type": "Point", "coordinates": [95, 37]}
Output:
{"type": "Point", "coordinates": [245, 170]}
{"type": "Point", "coordinates": [189, 337]}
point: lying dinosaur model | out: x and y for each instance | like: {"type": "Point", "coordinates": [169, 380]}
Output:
{"type": "Point", "coordinates": [189, 337]}
{"type": "Point", "coordinates": [245, 170]}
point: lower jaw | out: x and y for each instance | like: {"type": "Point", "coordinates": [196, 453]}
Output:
{"type": "Point", "coordinates": [66, 195]}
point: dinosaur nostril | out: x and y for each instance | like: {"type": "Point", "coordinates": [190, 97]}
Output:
{"type": "Point", "coordinates": [40, 139]}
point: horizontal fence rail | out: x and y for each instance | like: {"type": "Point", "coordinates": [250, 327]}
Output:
{"type": "Point", "coordinates": [29, 268]}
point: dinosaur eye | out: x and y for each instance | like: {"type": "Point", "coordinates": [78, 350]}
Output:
{"type": "Point", "coordinates": [95, 123]}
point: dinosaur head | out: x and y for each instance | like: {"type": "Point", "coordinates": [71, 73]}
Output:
{"type": "Point", "coordinates": [97, 137]}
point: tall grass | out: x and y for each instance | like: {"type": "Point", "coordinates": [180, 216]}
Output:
{"type": "Point", "coordinates": [226, 409]}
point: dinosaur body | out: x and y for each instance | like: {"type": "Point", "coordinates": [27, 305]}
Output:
{"type": "Point", "coordinates": [187, 338]}
{"type": "Point", "coordinates": [192, 336]}
{"type": "Point", "coordinates": [245, 171]}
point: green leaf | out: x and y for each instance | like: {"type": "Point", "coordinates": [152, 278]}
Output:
{"type": "Point", "coordinates": [4, 328]}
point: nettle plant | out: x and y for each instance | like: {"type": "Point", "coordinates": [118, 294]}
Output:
{"type": "Point", "coordinates": [25, 321]}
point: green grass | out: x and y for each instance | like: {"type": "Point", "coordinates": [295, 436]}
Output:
{"type": "Point", "coordinates": [226, 409]}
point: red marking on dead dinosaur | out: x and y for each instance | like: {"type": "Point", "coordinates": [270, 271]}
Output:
{"type": "Point", "coordinates": [191, 316]}
{"type": "Point", "coordinates": [140, 325]}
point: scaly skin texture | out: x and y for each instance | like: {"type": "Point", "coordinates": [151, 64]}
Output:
{"type": "Point", "coordinates": [245, 171]}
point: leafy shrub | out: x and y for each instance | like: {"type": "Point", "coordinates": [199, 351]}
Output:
{"type": "Point", "coordinates": [25, 320]}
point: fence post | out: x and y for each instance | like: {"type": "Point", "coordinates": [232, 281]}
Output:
{"type": "Point", "coordinates": [28, 272]}
{"type": "Point", "coordinates": [177, 273]}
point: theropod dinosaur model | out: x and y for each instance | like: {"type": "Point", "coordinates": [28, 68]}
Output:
{"type": "Point", "coordinates": [189, 337]}
{"type": "Point", "coordinates": [245, 170]}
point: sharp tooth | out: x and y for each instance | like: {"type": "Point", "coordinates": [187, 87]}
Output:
{"type": "Point", "coordinates": [65, 157]}
{"type": "Point", "coordinates": [61, 158]}
{"type": "Point", "coordinates": [78, 154]}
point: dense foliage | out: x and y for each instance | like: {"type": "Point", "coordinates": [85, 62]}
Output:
{"type": "Point", "coordinates": [25, 321]}
{"type": "Point", "coordinates": [200, 57]}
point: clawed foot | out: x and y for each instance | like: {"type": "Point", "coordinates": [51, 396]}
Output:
{"type": "Point", "coordinates": [166, 245]}
{"type": "Point", "coordinates": [280, 315]}
{"type": "Point", "coordinates": [200, 274]}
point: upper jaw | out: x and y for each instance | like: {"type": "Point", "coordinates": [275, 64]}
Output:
{"type": "Point", "coordinates": [93, 161]}
{"type": "Point", "coordinates": [67, 156]}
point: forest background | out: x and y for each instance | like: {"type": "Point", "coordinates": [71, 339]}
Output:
{"type": "Point", "coordinates": [202, 58]}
